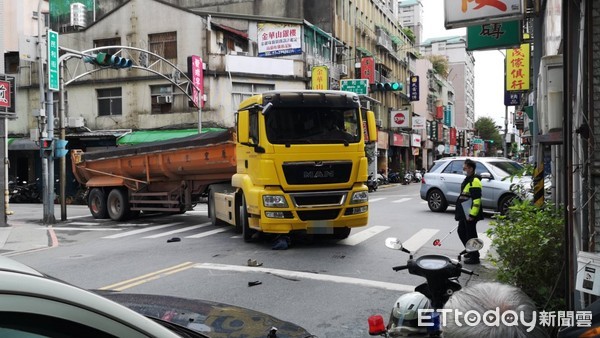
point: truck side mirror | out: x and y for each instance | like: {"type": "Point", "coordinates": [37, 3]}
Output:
{"type": "Point", "coordinates": [371, 127]}
{"type": "Point", "coordinates": [243, 127]}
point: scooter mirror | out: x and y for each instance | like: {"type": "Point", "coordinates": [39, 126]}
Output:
{"type": "Point", "coordinates": [393, 243]}
{"type": "Point", "coordinates": [474, 244]}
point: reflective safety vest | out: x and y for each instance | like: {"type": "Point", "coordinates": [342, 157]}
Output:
{"type": "Point", "coordinates": [471, 188]}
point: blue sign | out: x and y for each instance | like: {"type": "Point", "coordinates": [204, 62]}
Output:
{"type": "Point", "coordinates": [512, 98]}
{"type": "Point", "coordinates": [448, 115]}
{"type": "Point", "coordinates": [414, 88]}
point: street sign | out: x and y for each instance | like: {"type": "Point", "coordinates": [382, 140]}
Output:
{"type": "Point", "coordinates": [477, 141]}
{"type": "Point", "coordinates": [358, 86]}
{"type": "Point", "coordinates": [53, 61]}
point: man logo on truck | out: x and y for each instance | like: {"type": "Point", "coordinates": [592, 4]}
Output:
{"type": "Point", "coordinates": [319, 174]}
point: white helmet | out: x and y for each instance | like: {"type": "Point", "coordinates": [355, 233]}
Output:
{"type": "Point", "coordinates": [404, 320]}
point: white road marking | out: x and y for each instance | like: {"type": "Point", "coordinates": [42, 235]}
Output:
{"type": "Point", "coordinates": [139, 231]}
{"type": "Point", "coordinates": [419, 239]}
{"type": "Point", "coordinates": [208, 233]}
{"type": "Point", "coordinates": [80, 229]}
{"type": "Point", "coordinates": [162, 234]}
{"type": "Point", "coordinates": [376, 199]}
{"type": "Point", "coordinates": [363, 235]}
{"type": "Point", "coordinates": [402, 200]}
{"type": "Point", "coordinates": [307, 275]}
{"type": "Point", "coordinates": [83, 223]}
{"type": "Point", "coordinates": [487, 243]}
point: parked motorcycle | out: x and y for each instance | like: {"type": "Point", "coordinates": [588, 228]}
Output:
{"type": "Point", "coordinates": [418, 176]}
{"type": "Point", "coordinates": [441, 274]}
{"type": "Point", "coordinates": [371, 183]}
{"type": "Point", "coordinates": [24, 192]}
{"type": "Point", "coordinates": [382, 179]}
{"type": "Point", "coordinates": [408, 177]}
{"type": "Point", "coordinates": [393, 176]}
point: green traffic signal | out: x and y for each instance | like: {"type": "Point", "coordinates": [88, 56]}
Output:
{"type": "Point", "coordinates": [108, 60]}
{"type": "Point", "coordinates": [387, 86]}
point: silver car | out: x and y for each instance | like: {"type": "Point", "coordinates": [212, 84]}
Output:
{"type": "Point", "coordinates": [35, 305]}
{"type": "Point", "coordinates": [440, 187]}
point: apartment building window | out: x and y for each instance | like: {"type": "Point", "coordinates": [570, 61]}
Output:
{"type": "Point", "coordinates": [11, 63]}
{"type": "Point", "coordinates": [108, 42]}
{"type": "Point", "coordinates": [241, 91]}
{"type": "Point", "coordinates": [162, 99]}
{"type": "Point", "coordinates": [163, 44]}
{"type": "Point", "coordinates": [110, 102]}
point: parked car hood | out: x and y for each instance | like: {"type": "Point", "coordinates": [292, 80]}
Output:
{"type": "Point", "coordinates": [211, 318]}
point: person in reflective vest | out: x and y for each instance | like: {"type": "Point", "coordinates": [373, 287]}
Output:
{"type": "Point", "coordinates": [470, 197]}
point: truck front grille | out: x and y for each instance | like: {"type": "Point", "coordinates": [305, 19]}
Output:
{"type": "Point", "coordinates": [318, 215]}
{"type": "Point", "coordinates": [317, 172]}
{"type": "Point", "coordinates": [319, 199]}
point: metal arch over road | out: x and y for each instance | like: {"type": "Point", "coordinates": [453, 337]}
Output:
{"type": "Point", "coordinates": [140, 60]}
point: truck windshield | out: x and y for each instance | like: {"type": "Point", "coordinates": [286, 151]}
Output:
{"type": "Point", "coordinates": [312, 125]}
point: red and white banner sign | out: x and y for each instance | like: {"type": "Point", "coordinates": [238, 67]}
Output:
{"type": "Point", "coordinates": [400, 119]}
{"type": "Point", "coordinates": [416, 140]}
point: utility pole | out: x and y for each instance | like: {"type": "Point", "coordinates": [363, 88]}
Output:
{"type": "Point", "coordinates": [505, 131]}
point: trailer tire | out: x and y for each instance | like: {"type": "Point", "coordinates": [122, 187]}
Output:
{"type": "Point", "coordinates": [244, 218]}
{"type": "Point", "coordinates": [97, 204]}
{"type": "Point", "coordinates": [117, 204]}
{"type": "Point", "coordinates": [212, 210]}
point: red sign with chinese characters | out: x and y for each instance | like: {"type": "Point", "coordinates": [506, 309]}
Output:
{"type": "Point", "coordinates": [5, 94]}
{"type": "Point", "coordinates": [439, 112]}
{"type": "Point", "coordinates": [198, 80]}
{"type": "Point", "coordinates": [367, 69]}
{"type": "Point", "coordinates": [452, 136]}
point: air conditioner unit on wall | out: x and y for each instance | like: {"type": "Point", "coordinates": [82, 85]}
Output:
{"type": "Point", "coordinates": [343, 70]}
{"type": "Point", "coordinates": [75, 122]}
{"type": "Point", "coordinates": [164, 99]}
{"type": "Point", "coordinates": [550, 96]}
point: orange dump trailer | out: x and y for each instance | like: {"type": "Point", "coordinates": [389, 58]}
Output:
{"type": "Point", "coordinates": [168, 176]}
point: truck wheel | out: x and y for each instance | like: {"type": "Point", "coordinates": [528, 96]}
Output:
{"type": "Point", "coordinates": [341, 233]}
{"type": "Point", "coordinates": [117, 204]}
{"type": "Point", "coordinates": [244, 222]}
{"type": "Point", "coordinates": [212, 210]}
{"type": "Point", "coordinates": [97, 204]}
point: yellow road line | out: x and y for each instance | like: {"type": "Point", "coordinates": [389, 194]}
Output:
{"type": "Point", "coordinates": [126, 284]}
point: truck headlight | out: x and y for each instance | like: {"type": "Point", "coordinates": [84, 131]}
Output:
{"type": "Point", "coordinates": [359, 197]}
{"type": "Point", "coordinates": [274, 201]}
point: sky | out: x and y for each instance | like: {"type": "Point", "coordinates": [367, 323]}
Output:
{"type": "Point", "coordinates": [489, 65]}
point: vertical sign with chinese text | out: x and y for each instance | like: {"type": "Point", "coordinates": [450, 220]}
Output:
{"type": "Point", "coordinates": [517, 68]}
{"type": "Point", "coordinates": [196, 68]}
{"type": "Point", "coordinates": [367, 69]}
{"type": "Point", "coordinates": [414, 88]}
{"type": "Point", "coordinates": [7, 94]}
{"type": "Point", "coordinates": [320, 78]}
{"type": "Point", "coordinates": [53, 61]}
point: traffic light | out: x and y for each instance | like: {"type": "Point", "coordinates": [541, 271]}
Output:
{"type": "Point", "coordinates": [46, 148]}
{"type": "Point", "coordinates": [386, 86]}
{"type": "Point", "coordinates": [60, 148]}
{"type": "Point", "coordinates": [108, 60]}
{"type": "Point", "coordinates": [491, 141]}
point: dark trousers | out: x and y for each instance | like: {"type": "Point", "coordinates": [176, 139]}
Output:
{"type": "Point", "coordinates": [466, 231]}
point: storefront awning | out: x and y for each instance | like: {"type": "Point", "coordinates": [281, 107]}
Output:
{"type": "Point", "coordinates": [22, 144]}
{"type": "Point", "coordinates": [145, 136]}
{"type": "Point", "coordinates": [364, 51]}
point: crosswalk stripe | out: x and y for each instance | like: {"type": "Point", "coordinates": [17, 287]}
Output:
{"type": "Point", "coordinates": [487, 243]}
{"type": "Point", "coordinates": [139, 231]}
{"type": "Point", "coordinates": [79, 229]}
{"type": "Point", "coordinates": [376, 199]}
{"type": "Point", "coordinates": [208, 233]}
{"type": "Point", "coordinates": [162, 234]}
{"type": "Point", "coordinates": [364, 235]}
{"type": "Point", "coordinates": [419, 239]}
{"type": "Point", "coordinates": [402, 200]}
{"type": "Point", "coordinates": [83, 223]}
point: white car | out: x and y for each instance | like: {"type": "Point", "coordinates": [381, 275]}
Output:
{"type": "Point", "coordinates": [440, 187]}
{"type": "Point", "coordinates": [35, 305]}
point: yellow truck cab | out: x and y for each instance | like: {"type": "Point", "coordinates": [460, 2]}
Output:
{"type": "Point", "coordinates": [301, 165]}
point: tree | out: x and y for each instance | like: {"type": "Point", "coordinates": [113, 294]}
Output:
{"type": "Point", "coordinates": [485, 127]}
{"type": "Point", "coordinates": [440, 64]}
